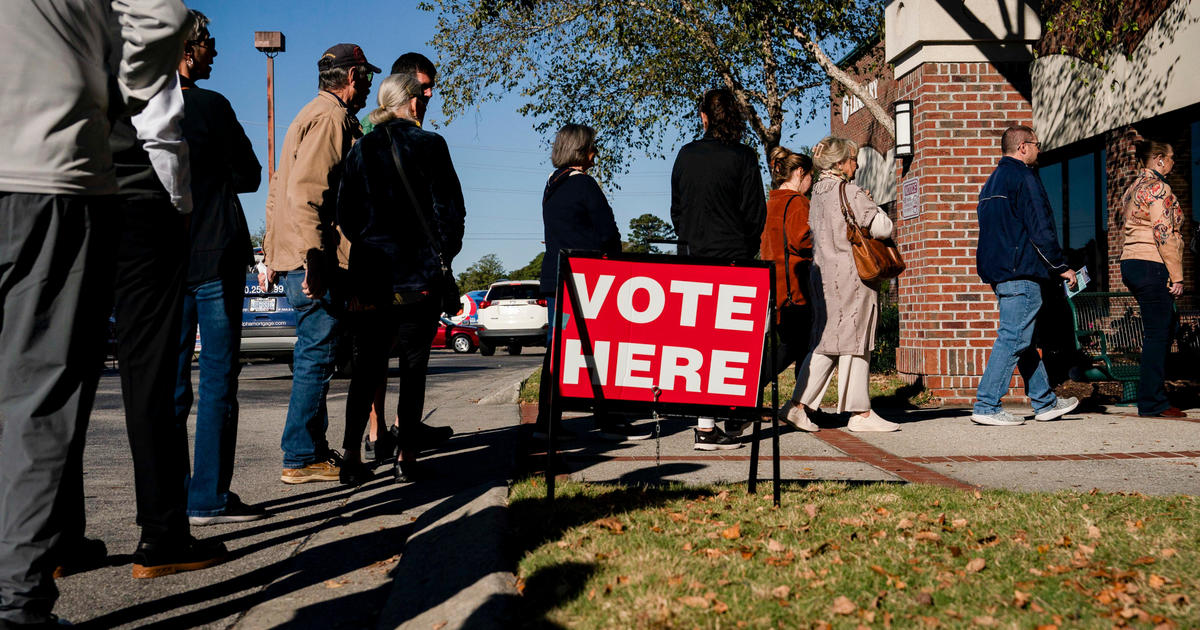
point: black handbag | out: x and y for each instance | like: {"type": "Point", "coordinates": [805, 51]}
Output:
{"type": "Point", "coordinates": [448, 286]}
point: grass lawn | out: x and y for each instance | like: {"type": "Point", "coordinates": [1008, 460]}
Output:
{"type": "Point", "coordinates": [849, 556]}
{"type": "Point", "coordinates": [886, 390]}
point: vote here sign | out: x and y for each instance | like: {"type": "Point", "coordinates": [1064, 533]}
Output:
{"type": "Point", "coordinates": [694, 331]}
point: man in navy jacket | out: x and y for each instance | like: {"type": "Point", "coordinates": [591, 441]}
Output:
{"type": "Point", "coordinates": [1018, 252]}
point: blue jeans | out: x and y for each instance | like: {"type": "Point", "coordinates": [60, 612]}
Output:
{"type": "Point", "coordinates": [1020, 301]}
{"type": "Point", "coordinates": [216, 306]}
{"type": "Point", "coordinates": [1148, 281]}
{"type": "Point", "coordinates": [314, 358]}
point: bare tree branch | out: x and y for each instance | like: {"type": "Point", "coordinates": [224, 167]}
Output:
{"type": "Point", "coordinates": [841, 76]}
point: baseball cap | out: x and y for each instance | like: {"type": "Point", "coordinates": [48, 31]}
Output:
{"type": "Point", "coordinates": [344, 55]}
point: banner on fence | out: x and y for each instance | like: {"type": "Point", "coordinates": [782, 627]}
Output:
{"type": "Point", "coordinates": [693, 329]}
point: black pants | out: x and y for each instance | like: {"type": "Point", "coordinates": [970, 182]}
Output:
{"type": "Point", "coordinates": [55, 292]}
{"type": "Point", "coordinates": [1148, 282]}
{"type": "Point", "coordinates": [792, 338]}
{"type": "Point", "coordinates": [151, 266]}
{"type": "Point", "coordinates": [406, 331]}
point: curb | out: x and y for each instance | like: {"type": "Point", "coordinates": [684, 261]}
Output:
{"type": "Point", "coordinates": [454, 572]}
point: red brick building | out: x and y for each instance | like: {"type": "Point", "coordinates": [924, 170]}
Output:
{"type": "Point", "coordinates": [970, 71]}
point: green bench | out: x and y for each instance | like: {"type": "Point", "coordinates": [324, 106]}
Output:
{"type": "Point", "coordinates": [1108, 333]}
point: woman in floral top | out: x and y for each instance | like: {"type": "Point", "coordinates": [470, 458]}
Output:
{"type": "Point", "coordinates": [1152, 267]}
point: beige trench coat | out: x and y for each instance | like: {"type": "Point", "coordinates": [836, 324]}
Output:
{"type": "Point", "coordinates": [845, 309]}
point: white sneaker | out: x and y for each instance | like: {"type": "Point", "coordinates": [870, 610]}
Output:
{"type": "Point", "coordinates": [1001, 418]}
{"type": "Point", "coordinates": [871, 423]}
{"type": "Point", "coordinates": [1061, 407]}
{"type": "Point", "coordinates": [797, 417]}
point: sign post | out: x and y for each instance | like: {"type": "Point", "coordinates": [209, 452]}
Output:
{"type": "Point", "coordinates": [662, 333]}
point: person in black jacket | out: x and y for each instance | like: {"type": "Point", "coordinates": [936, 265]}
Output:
{"type": "Point", "coordinates": [395, 273]}
{"type": "Point", "coordinates": [718, 208]}
{"type": "Point", "coordinates": [1018, 251]}
{"type": "Point", "coordinates": [223, 165]}
{"type": "Point", "coordinates": [576, 216]}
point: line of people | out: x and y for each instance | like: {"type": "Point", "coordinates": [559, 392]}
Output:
{"type": "Point", "coordinates": [119, 192]}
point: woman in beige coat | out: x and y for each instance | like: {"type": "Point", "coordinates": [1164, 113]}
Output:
{"type": "Point", "coordinates": [845, 309]}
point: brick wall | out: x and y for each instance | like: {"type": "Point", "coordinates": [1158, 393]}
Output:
{"type": "Point", "coordinates": [861, 126]}
{"type": "Point", "coordinates": [947, 315]}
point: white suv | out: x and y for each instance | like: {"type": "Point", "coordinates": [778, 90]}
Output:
{"type": "Point", "coordinates": [512, 314]}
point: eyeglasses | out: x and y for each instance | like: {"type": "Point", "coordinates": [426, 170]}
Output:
{"type": "Point", "coordinates": [1033, 142]}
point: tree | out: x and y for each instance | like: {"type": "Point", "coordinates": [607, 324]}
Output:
{"type": "Point", "coordinates": [643, 230]}
{"type": "Point", "coordinates": [481, 274]}
{"type": "Point", "coordinates": [532, 271]}
{"type": "Point", "coordinates": [258, 236]}
{"type": "Point", "coordinates": [634, 69]}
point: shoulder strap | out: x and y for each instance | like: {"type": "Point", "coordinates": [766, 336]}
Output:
{"type": "Point", "coordinates": [787, 276]}
{"type": "Point", "coordinates": [433, 241]}
{"type": "Point", "coordinates": [846, 207]}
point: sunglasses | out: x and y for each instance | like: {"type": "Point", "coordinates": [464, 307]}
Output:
{"type": "Point", "coordinates": [207, 42]}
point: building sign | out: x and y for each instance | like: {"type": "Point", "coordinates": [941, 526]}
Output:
{"type": "Point", "coordinates": [677, 333]}
{"type": "Point", "coordinates": [851, 103]}
{"type": "Point", "coordinates": [910, 203]}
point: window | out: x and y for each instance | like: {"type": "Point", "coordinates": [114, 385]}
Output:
{"type": "Point", "coordinates": [1075, 181]}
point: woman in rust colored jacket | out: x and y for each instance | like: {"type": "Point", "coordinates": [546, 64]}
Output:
{"type": "Point", "coordinates": [787, 241]}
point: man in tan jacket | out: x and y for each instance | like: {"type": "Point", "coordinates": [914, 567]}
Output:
{"type": "Point", "coordinates": [305, 249]}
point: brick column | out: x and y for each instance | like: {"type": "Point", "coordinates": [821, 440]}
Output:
{"type": "Point", "coordinates": [947, 315]}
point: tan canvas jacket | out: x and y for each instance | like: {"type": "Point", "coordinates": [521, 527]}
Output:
{"type": "Point", "coordinates": [300, 202]}
{"type": "Point", "coordinates": [1153, 218]}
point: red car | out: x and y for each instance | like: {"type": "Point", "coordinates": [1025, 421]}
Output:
{"type": "Point", "coordinates": [455, 337]}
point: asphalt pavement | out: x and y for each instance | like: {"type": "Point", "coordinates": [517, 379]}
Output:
{"type": "Point", "coordinates": [325, 557]}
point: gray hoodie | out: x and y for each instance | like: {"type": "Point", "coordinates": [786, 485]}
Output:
{"type": "Point", "coordinates": [72, 66]}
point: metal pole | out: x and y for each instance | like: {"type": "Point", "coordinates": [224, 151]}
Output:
{"type": "Point", "coordinates": [270, 116]}
{"type": "Point", "coordinates": [774, 398]}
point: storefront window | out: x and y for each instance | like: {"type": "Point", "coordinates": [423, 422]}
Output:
{"type": "Point", "coordinates": [1076, 188]}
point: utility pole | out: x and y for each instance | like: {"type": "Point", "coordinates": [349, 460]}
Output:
{"type": "Point", "coordinates": [271, 43]}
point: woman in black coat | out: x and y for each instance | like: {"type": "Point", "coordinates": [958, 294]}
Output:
{"type": "Point", "coordinates": [576, 216]}
{"type": "Point", "coordinates": [395, 273]}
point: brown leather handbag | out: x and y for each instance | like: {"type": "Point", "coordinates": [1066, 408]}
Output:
{"type": "Point", "coordinates": [875, 259]}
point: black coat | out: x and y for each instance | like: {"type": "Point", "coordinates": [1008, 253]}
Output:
{"type": "Point", "coordinates": [1017, 239]}
{"type": "Point", "coordinates": [389, 251]}
{"type": "Point", "coordinates": [717, 201]}
{"type": "Point", "coordinates": [223, 164]}
{"type": "Point", "coordinates": [576, 216]}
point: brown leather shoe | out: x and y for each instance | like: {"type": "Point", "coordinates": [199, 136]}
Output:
{"type": "Point", "coordinates": [316, 471]}
{"type": "Point", "coordinates": [1169, 412]}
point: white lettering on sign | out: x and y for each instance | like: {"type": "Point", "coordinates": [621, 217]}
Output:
{"type": "Point", "coordinates": [628, 363]}
{"type": "Point", "coordinates": [720, 372]}
{"type": "Point", "coordinates": [728, 306]}
{"type": "Point", "coordinates": [591, 302]}
{"type": "Point", "coordinates": [653, 309]}
{"type": "Point", "coordinates": [574, 361]}
{"type": "Point", "coordinates": [691, 292]}
{"type": "Point", "coordinates": [851, 103]}
{"type": "Point", "coordinates": [679, 362]}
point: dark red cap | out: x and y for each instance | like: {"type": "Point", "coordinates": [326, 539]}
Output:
{"type": "Point", "coordinates": [344, 56]}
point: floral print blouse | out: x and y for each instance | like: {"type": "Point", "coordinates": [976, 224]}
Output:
{"type": "Point", "coordinates": [1152, 221]}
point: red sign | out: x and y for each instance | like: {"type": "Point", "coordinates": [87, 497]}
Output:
{"type": "Point", "coordinates": [695, 331]}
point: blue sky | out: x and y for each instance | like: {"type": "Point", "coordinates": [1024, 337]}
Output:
{"type": "Point", "coordinates": [501, 161]}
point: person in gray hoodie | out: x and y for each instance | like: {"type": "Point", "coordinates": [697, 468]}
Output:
{"type": "Point", "coordinates": [72, 67]}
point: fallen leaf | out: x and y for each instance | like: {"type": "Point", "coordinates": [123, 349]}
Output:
{"type": "Point", "coordinates": [720, 607]}
{"type": "Point", "coordinates": [924, 599]}
{"type": "Point", "coordinates": [811, 510]}
{"type": "Point", "coordinates": [1166, 553]}
{"type": "Point", "coordinates": [1179, 599]}
{"type": "Point", "coordinates": [713, 553]}
{"type": "Point", "coordinates": [985, 620]}
{"type": "Point", "coordinates": [732, 532]}
{"type": "Point", "coordinates": [693, 601]}
{"type": "Point", "coordinates": [439, 625]}
{"type": "Point", "coordinates": [978, 495]}
{"type": "Point", "coordinates": [904, 523]}
{"type": "Point", "coordinates": [959, 522]}
{"type": "Point", "coordinates": [622, 579]}
{"type": "Point", "coordinates": [687, 546]}
{"type": "Point", "coordinates": [678, 517]}
{"type": "Point", "coordinates": [656, 529]}
{"type": "Point", "coordinates": [774, 546]}
{"type": "Point", "coordinates": [927, 535]}
{"type": "Point", "coordinates": [843, 606]}
{"type": "Point", "coordinates": [1020, 598]}
{"type": "Point", "coordinates": [976, 565]}
{"type": "Point", "coordinates": [722, 496]}
{"type": "Point", "coordinates": [591, 595]}
{"type": "Point", "coordinates": [781, 591]}
{"type": "Point", "coordinates": [1047, 626]}
{"type": "Point", "coordinates": [675, 580]}
{"type": "Point", "coordinates": [610, 524]}
{"type": "Point", "coordinates": [1093, 531]}
{"type": "Point", "coordinates": [333, 584]}
{"type": "Point", "coordinates": [1145, 560]}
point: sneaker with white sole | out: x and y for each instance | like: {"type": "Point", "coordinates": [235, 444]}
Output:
{"type": "Point", "coordinates": [797, 418]}
{"type": "Point", "coordinates": [715, 440]}
{"type": "Point", "coordinates": [622, 431]}
{"type": "Point", "coordinates": [1001, 418]}
{"type": "Point", "coordinates": [1061, 407]}
{"type": "Point", "coordinates": [871, 423]}
{"type": "Point", "coordinates": [235, 512]}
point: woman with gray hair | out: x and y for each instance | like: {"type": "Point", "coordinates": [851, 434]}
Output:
{"type": "Point", "coordinates": [845, 308]}
{"type": "Point", "coordinates": [398, 189]}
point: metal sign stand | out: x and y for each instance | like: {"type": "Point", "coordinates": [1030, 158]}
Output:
{"type": "Point", "coordinates": [752, 480]}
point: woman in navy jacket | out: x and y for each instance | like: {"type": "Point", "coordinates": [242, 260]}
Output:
{"type": "Point", "coordinates": [394, 271]}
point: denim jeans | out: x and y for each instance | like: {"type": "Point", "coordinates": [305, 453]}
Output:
{"type": "Point", "coordinates": [216, 307]}
{"type": "Point", "coordinates": [1019, 304]}
{"type": "Point", "coordinates": [314, 358]}
{"type": "Point", "coordinates": [1147, 281]}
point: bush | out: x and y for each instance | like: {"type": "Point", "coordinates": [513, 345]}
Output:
{"type": "Point", "coordinates": [887, 339]}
